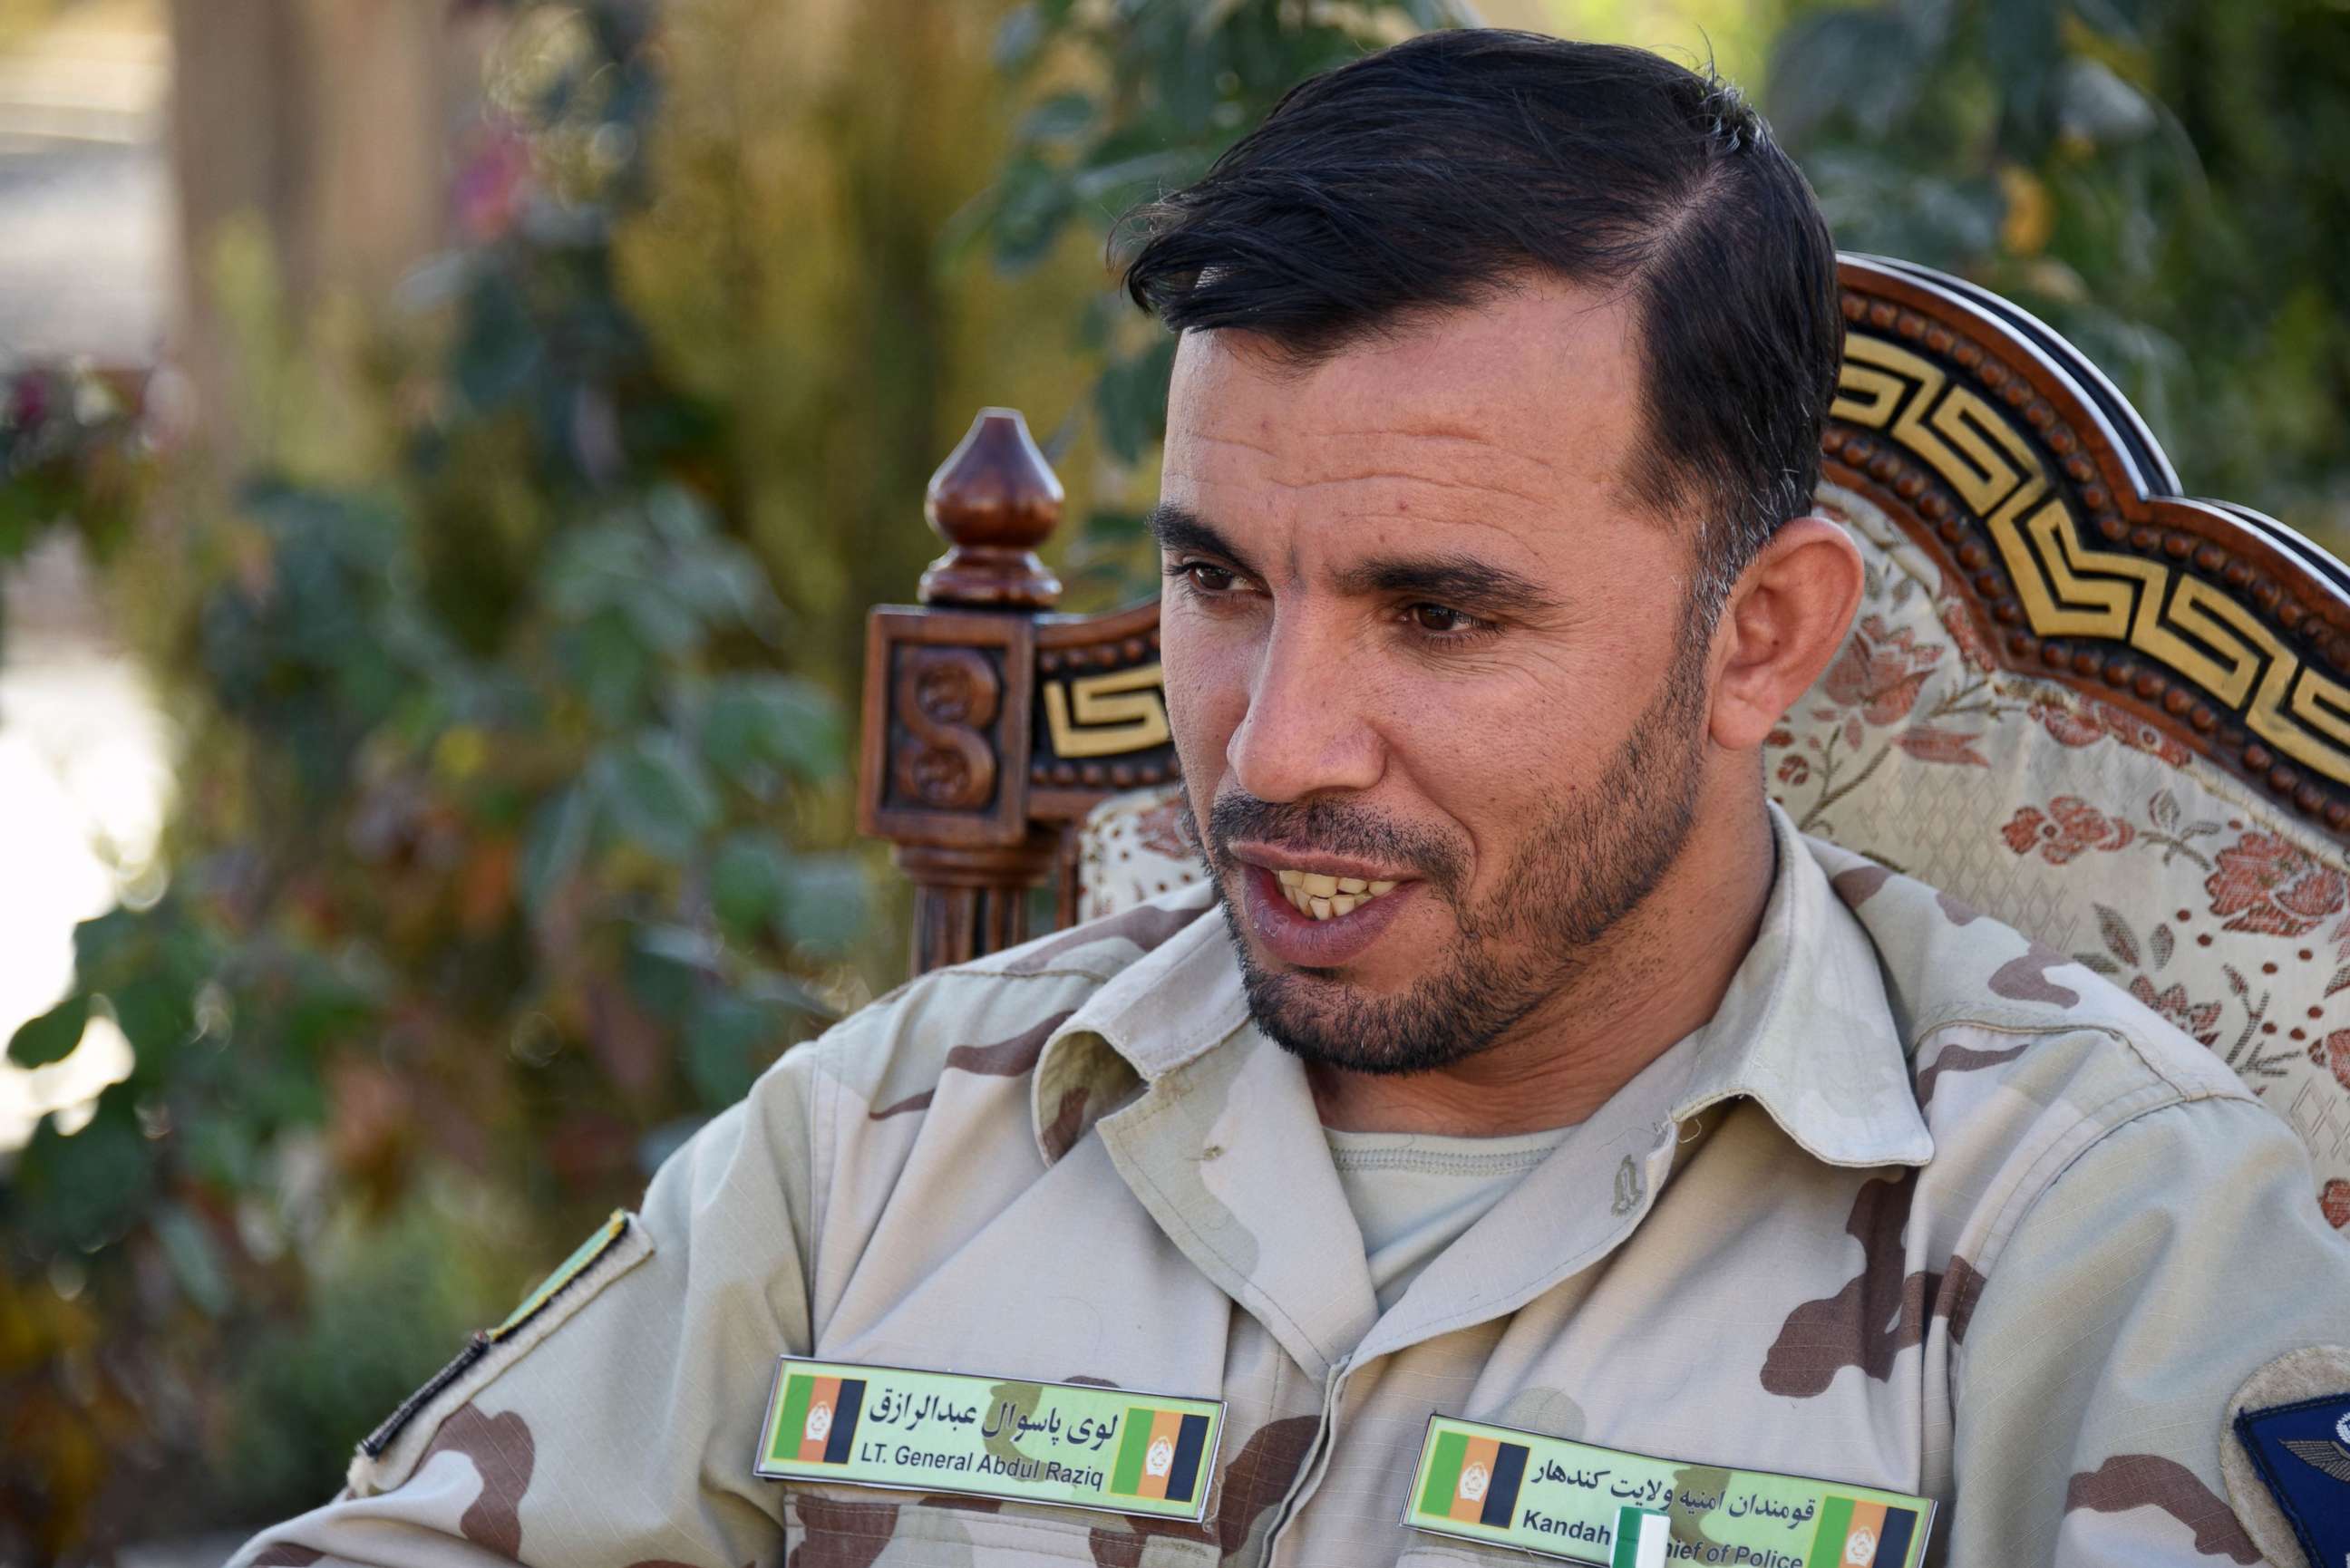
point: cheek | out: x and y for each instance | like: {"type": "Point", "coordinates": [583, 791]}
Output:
{"type": "Point", "coordinates": [1207, 681]}
{"type": "Point", "coordinates": [1468, 761]}
{"type": "Point", "coordinates": [1497, 757]}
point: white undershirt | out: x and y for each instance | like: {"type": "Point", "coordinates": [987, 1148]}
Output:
{"type": "Point", "coordinates": [1414, 1194]}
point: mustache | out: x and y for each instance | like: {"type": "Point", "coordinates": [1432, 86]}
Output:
{"type": "Point", "coordinates": [1330, 825]}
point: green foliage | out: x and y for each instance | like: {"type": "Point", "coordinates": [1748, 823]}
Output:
{"type": "Point", "coordinates": [2159, 179]}
{"type": "Point", "coordinates": [73, 457]}
{"type": "Point", "coordinates": [500, 861]}
{"type": "Point", "coordinates": [382, 1302]}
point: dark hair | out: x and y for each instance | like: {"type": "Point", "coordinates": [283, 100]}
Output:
{"type": "Point", "coordinates": [1430, 174]}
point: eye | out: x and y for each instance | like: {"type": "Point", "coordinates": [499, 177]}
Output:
{"type": "Point", "coordinates": [1204, 575]}
{"type": "Point", "coordinates": [1442, 620]}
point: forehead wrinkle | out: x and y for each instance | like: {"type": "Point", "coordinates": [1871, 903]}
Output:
{"type": "Point", "coordinates": [1217, 438]}
{"type": "Point", "coordinates": [1456, 486]}
{"type": "Point", "coordinates": [1447, 436]}
{"type": "Point", "coordinates": [1486, 450]}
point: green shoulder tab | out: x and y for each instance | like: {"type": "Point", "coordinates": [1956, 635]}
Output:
{"type": "Point", "coordinates": [468, 1367]}
{"type": "Point", "coordinates": [586, 1256]}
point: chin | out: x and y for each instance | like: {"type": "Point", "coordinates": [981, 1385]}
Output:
{"type": "Point", "coordinates": [1327, 1023]}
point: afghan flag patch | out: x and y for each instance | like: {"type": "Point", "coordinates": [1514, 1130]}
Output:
{"type": "Point", "coordinates": [821, 1413]}
{"type": "Point", "coordinates": [1474, 1480]}
{"type": "Point", "coordinates": [1855, 1534]}
{"type": "Point", "coordinates": [1159, 1457]}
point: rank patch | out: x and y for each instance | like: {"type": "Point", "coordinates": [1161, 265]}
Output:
{"type": "Point", "coordinates": [2286, 1455]}
{"type": "Point", "coordinates": [2302, 1452]}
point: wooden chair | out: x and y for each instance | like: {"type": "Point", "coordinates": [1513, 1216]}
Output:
{"type": "Point", "coordinates": [2110, 716]}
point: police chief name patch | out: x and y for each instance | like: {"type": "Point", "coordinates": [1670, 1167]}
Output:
{"type": "Point", "coordinates": [1064, 1444]}
{"type": "Point", "coordinates": [1621, 1509]}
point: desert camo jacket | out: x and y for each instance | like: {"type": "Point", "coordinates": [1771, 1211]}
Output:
{"type": "Point", "coordinates": [1926, 1207]}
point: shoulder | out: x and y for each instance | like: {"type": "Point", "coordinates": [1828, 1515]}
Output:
{"type": "Point", "coordinates": [2024, 1060]}
{"type": "Point", "coordinates": [1952, 970]}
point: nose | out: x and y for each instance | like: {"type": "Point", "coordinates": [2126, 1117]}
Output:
{"type": "Point", "coordinates": [1307, 729]}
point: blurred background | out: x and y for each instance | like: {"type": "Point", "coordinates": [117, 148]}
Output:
{"type": "Point", "coordinates": [447, 450]}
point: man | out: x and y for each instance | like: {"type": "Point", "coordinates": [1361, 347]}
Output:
{"type": "Point", "coordinates": [1748, 1203]}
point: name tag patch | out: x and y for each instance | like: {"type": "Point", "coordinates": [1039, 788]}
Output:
{"type": "Point", "coordinates": [1620, 1509]}
{"type": "Point", "coordinates": [1064, 1444]}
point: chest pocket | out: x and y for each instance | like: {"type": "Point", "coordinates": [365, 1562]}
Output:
{"type": "Point", "coordinates": [839, 1527]}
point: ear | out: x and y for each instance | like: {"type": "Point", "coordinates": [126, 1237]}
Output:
{"type": "Point", "coordinates": [1790, 611]}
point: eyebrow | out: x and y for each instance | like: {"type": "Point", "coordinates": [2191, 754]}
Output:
{"type": "Point", "coordinates": [1454, 580]}
{"type": "Point", "coordinates": [1451, 579]}
{"type": "Point", "coordinates": [1180, 528]}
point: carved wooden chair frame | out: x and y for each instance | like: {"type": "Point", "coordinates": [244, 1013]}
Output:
{"type": "Point", "coordinates": [992, 725]}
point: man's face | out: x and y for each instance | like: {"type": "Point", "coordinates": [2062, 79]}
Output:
{"type": "Point", "coordinates": [1422, 640]}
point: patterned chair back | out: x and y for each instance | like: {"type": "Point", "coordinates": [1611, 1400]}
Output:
{"type": "Point", "coordinates": [2110, 717]}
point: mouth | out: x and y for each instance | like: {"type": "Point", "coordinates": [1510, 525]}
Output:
{"type": "Point", "coordinates": [1319, 912]}
{"type": "Point", "coordinates": [1319, 895]}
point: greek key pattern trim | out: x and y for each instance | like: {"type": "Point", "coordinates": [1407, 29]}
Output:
{"type": "Point", "coordinates": [1101, 710]}
{"type": "Point", "coordinates": [1106, 715]}
{"type": "Point", "coordinates": [2068, 588]}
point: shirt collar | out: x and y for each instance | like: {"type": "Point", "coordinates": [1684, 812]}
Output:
{"type": "Point", "coordinates": [1804, 1030]}
{"type": "Point", "coordinates": [1167, 1007]}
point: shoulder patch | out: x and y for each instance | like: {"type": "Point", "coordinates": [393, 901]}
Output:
{"type": "Point", "coordinates": [387, 1453]}
{"type": "Point", "coordinates": [2287, 1458]}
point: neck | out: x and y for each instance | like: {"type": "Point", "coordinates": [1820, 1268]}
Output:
{"type": "Point", "coordinates": [1656, 979]}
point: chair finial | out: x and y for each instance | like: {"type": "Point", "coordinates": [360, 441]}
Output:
{"type": "Point", "coordinates": [993, 501]}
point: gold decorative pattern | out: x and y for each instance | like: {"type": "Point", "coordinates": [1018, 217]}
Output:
{"type": "Point", "coordinates": [2185, 624]}
{"type": "Point", "coordinates": [1106, 715]}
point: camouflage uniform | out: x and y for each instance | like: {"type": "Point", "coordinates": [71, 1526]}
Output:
{"type": "Point", "coordinates": [1925, 1207]}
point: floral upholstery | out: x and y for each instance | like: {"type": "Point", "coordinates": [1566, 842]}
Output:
{"type": "Point", "coordinates": [2060, 814]}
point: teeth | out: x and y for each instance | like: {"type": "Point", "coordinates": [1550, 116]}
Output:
{"type": "Point", "coordinates": [1325, 898]}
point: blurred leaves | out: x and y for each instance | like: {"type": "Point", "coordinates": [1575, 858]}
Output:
{"type": "Point", "coordinates": [761, 730]}
{"type": "Point", "coordinates": [75, 457]}
{"type": "Point", "coordinates": [2159, 180]}
{"type": "Point", "coordinates": [52, 1036]}
{"type": "Point", "coordinates": [502, 855]}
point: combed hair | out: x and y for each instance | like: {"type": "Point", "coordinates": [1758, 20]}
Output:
{"type": "Point", "coordinates": [1433, 174]}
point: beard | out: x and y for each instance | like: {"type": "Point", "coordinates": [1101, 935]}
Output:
{"type": "Point", "coordinates": [1587, 863]}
